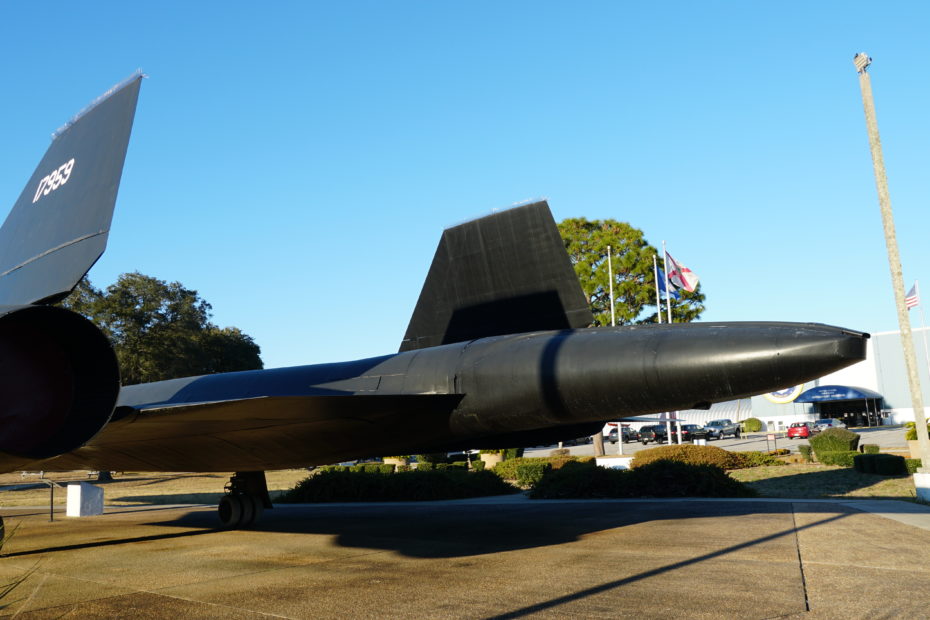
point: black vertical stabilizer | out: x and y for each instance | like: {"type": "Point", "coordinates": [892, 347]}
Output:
{"type": "Point", "coordinates": [502, 274]}
{"type": "Point", "coordinates": [59, 225]}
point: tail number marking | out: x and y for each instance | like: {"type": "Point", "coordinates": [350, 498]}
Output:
{"type": "Point", "coordinates": [53, 181]}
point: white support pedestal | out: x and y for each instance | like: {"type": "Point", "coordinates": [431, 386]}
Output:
{"type": "Point", "coordinates": [84, 500]}
{"type": "Point", "coordinates": [614, 462]}
{"type": "Point", "coordinates": [922, 485]}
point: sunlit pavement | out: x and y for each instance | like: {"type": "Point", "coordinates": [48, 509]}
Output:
{"type": "Point", "coordinates": [490, 558]}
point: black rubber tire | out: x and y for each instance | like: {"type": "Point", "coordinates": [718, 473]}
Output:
{"type": "Point", "coordinates": [230, 511]}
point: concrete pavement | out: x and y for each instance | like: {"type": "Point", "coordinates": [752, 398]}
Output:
{"type": "Point", "coordinates": [503, 557]}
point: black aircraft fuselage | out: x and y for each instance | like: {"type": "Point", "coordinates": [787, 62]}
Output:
{"type": "Point", "coordinates": [490, 392]}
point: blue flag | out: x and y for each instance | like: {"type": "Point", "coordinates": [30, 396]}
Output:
{"type": "Point", "coordinates": [662, 290]}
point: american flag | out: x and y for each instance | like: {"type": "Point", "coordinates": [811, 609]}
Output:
{"type": "Point", "coordinates": [912, 299]}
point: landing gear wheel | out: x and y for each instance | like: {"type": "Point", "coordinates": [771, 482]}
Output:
{"type": "Point", "coordinates": [258, 508]}
{"type": "Point", "coordinates": [248, 511]}
{"type": "Point", "coordinates": [230, 511]}
{"type": "Point", "coordinates": [245, 500]}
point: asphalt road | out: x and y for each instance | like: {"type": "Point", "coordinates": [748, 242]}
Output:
{"type": "Point", "coordinates": [888, 438]}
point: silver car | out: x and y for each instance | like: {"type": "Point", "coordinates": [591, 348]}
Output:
{"type": "Point", "coordinates": [822, 425]}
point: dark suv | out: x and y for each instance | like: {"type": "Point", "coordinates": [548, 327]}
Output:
{"type": "Point", "coordinates": [651, 433]}
{"type": "Point", "coordinates": [659, 433]}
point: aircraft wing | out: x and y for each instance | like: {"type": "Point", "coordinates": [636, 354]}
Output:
{"type": "Point", "coordinates": [268, 432]}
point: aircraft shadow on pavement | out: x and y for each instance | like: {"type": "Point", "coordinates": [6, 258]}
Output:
{"type": "Point", "coordinates": [466, 530]}
{"type": "Point", "coordinates": [456, 530]}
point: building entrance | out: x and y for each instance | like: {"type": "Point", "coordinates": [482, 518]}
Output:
{"type": "Point", "coordinates": [860, 412]}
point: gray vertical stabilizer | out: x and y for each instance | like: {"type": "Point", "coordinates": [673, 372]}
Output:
{"type": "Point", "coordinates": [59, 225]}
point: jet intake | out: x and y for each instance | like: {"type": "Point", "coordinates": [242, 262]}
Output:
{"type": "Point", "coordinates": [59, 381]}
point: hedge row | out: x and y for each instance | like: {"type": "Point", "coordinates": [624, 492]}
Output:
{"type": "Point", "coordinates": [843, 458]}
{"type": "Point", "coordinates": [834, 440]}
{"type": "Point", "coordinates": [706, 455]}
{"type": "Point", "coordinates": [362, 486]}
{"type": "Point", "coordinates": [662, 478]}
{"type": "Point", "coordinates": [522, 469]}
{"type": "Point", "coordinates": [881, 464]}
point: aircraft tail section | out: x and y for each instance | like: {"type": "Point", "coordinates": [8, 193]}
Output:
{"type": "Point", "coordinates": [501, 274]}
{"type": "Point", "coordinates": [58, 227]}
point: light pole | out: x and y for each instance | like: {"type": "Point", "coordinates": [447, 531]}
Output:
{"type": "Point", "coordinates": [862, 62]}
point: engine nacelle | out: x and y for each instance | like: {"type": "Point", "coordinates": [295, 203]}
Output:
{"type": "Point", "coordinates": [59, 381]}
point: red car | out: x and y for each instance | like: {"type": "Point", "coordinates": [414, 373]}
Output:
{"type": "Point", "coordinates": [802, 430]}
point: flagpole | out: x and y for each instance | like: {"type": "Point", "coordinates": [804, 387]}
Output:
{"type": "Point", "coordinates": [668, 291]}
{"type": "Point", "coordinates": [655, 271]}
{"type": "Point", "coordinates": [922, 476]}
{"type": "Point", "coordinates": [610, 276]}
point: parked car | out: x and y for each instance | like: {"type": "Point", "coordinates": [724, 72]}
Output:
{"type": "Point", "coordinates": [690, 432]}
{"type": "Point", "coordinates": [628, 435]}
{"type": "Point", "coordinates": [718, 429]}
{"type": "Point", "coordinates": [651, 433]}
{"type": "Point", "coordinates": [801, 430]}
{"type": "Point", "coordinates": [822, 425]}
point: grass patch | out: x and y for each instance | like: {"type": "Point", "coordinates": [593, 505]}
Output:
{"type": "Point", "coordinates": [816, 481]}
{"type": "Point", "coordinates": [140, 488]}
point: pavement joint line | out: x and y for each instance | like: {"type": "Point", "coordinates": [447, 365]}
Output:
{"type": "Point", "coordinates": [655, 572]}
{"type": "Point", "coordinates": [797, 546]}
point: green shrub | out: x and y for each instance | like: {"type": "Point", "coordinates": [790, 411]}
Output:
{"type": "Point", "coordinates": [507, 470]}
{"type": "Point", "coordinates": [690, 454]}
{"type": "Point", "coordinates": [758, 459]}
{"type": "Point", "coordinates": [843, 458]}
{"type": "Point", "coordinates": [834, 440]}
{"type": "Point", "coordinates": [513, 453]}
{"type": "Point", "coordinates": [655, 479]}
{"type": "Point", "coordinates": [890, 465]}
{"type": "Point", "coordinates": [870, 448]}
{"type": "Point", "coordinates": [424, 466]}
{"type": "Point", "coordinates": [805, 451]}
{"type": "Point", "coordinates": [477, 465]}
{"type": "Point", "coordinates": [912, 465]}
{"type": "Point", "coordinates": [911, 433]}
{"type": "Point", "coordinates": [460, 464]}
{"type": "Point", "coordinates": [351, 486]}
{"type": "Point", "coordinates": [433, 457]}
{"type": "Point", "coordinates": [401, 468]}
{"type": "Point", "coordinates": [528, 474]}
{"type": "Point", "coordinates": [752, 425]}
{"type": "Point", "coordinates": [865, 463]}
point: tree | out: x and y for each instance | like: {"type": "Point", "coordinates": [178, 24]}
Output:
{"type": "Point", "coordinates": [634, 279]}
{"type": "Point", "coordinates": [162, 330]}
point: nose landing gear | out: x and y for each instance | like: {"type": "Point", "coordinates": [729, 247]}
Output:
{"type": "Point", "coordinates": [245, 500]}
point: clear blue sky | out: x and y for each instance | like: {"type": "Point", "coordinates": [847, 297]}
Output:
{"type": "Point", "coordinates": [296, 162]}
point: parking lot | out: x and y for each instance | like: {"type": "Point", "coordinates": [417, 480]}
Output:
{"type": "Point", "coordinates": [887, 437]}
